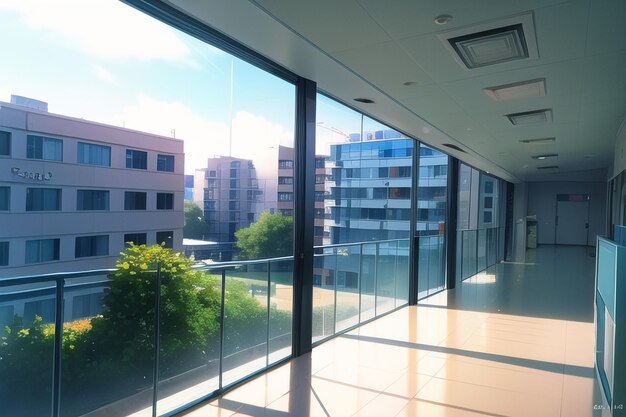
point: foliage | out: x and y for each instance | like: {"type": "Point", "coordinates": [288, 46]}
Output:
{"type": "Point", "coordinates": [116, 348]}
{"type": "Point", "coordinates": [189, 307]}
{"type": "Point", "coordinates": [270, 237]}
{"type": "Point", "coordinates": [195, 226]}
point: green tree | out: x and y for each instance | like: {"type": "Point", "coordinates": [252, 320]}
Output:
{"type": "Point", "coordinates": [195, 226]}
{"type": "Point", "coordinates": [190, 304]}
{"type": "Point", "coordinates": [271, 236]}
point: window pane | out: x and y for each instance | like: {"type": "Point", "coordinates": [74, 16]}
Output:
{"type": "Point", "coordinates": [5, 196]}
{"type": "Point", "coordinates": [134, 200]}
{"type": "Point", "coordinates": [5, 143]}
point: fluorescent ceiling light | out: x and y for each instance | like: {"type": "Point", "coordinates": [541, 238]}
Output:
{"type": "Point", "coordinates": [542, 141]}
{"type": "Point", "coordinates": [546, 156]}
{"type": "Point", "coordinates": [523, 89]}
{"type": "Point", "coordinates": [549, 167]}
{"type": "Point", "coordinates": [530, 117]}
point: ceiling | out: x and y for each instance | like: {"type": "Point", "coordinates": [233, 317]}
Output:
{"type": "Point", "coordinates": [370, 48]}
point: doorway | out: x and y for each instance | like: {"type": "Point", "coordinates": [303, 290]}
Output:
{"type": "Point", "coordinates": [572, 219]}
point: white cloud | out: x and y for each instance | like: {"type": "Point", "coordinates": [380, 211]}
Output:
{"type": "Point", "coordinates": [106, 29]}
{"type": "Point", "coordinates": [252, 135]}
{"type": "Point", "coordinates": [103, 74]}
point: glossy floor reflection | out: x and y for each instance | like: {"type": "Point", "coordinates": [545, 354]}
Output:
{"type": "Point", "coordinates": [516, 340]}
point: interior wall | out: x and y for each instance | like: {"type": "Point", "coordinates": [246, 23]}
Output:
{"type": "Point", "coordinates": [542, 203]}
{"type": "Point", "coordinates": [619, 162]}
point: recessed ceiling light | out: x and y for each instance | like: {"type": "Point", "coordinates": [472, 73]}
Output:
{"type": "Point", "coordinates": [410, 83]}
{"type": "Point", "coordinates": [452, 146]}
{"type": "Point", "coordinates": [523, 89]}
{"type": "Point", "coordinates": [364, 100]}
{"type": "Point", "coordinates": [530, 117]}
{"type": "Point", "coordinates": [443, 19]}
{"type": "Point", "coordinates": [542, 141]}
{"type": "Point", "coordinates": [546, 156]}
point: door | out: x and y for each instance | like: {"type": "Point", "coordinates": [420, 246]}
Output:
{"type": "Point", "coordinates": [572, 219]}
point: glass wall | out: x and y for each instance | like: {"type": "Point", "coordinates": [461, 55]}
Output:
{"type": "Point", "coordinates": [480, 222]}
{"type": "Point", "coordinates": [362, 219]}
{"type": "Point", "coordinates": [431, 221]}
{"type": "Point", "coordinates": [186, 147]}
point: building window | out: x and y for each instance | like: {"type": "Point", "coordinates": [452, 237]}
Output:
{"type": "Point", "coordinates": [5, 198]}
{"type": "Point", "coordinates": [92, 200]}
{"type": "Point", "coordinates": [319, 195]}
{"type": "Point", "coordinates": [41, 147]}
{"type": "Point", "coordinates": [286, 180]}
{"type": "Point", "coordinates": [43, 199]}
{"type": "Point", "coordinates": [400, 192]}
{"type": "Point", "coordinates": [4, 253]}
{"type": "Point", "coordinates": [166, 239]}
{"type": "Point", "coordinates": [211, 183]}
{"type": "Point", "coordinates": [235, 164]}
{"type": "Point", "coordinates": [44, 250]}
{"type": "Point", "coordinates": [234, 183]}
{"type": "Point", "coordinates": [233, 216]}
{"type": "Point", "coordinates": [285, 164]}
{"type": "Point", "coordinates": [136, 159]}
{"type": "Point", "coordinates": [319, 178]}
{"type": "Point", "coordinates": [165, 201]}
{"type": "Point", "coordinates": [233, 205]}
{"type": "Point", "coordinates": [488, 202]}
{"type": "Point", "coordinates": [134, 200]}
{"type": "Point", "coordinates": [487, 217]}
{"type": "Point", "coordinates": [5, 143]}
{"type": "Point", "coordinates": [488, 187]}
{"type": "Point", "coordinates": [285, 196]}
{"type": "Point", "coordinates": [233, 195]}
{"type": "Point", "coordinates": [136, 238]}
{"type": "Point", "coordinates": [89, 153]}
{"type": "Point", "coordinates": [233, 173]}
{"type": "Point", "coordinates": [91, 246]}
{"type": "Point", "coordinates": [165, 163]}
{"type": "Point", "coordinates": [212, 174]}
{"type": "Point", "coordinates": [286, 212]}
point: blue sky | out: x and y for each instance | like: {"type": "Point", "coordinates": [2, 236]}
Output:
{"type": "Point", "coordinates": [142, 74]}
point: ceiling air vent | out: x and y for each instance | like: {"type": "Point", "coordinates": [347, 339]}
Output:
{"type": "Point", "coordinates": [545, 156]}
{"type": "Point", "coordinates": [530, 117]}
{"type": "Point", "coordinates": [494, 42]}
{"type": "Point", "coordinates": [549, 167]}
{"type": "Point", "coordinates": [523, 89]}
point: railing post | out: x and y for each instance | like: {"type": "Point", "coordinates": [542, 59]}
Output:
{"type": "Point", "coordinates": [376, 279]}
{"type": "Point", "coordinates": [360, 284]}
{"type": "Point", "coordinates": [222, 309]}
{"type": "Point", "coordinates": [267, 345]}
{"type": "Point", "coordinates": [58, 348]}
{"type": "Point", "coordinates": [157, 341]}
{"type": "Point", "coordinates": [335, 292]}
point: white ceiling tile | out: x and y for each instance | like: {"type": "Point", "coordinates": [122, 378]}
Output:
{"type": "Point", "coordinates": [606, 28]}
{"type": "Point", "coordinates": [331, 25]}
{"type": "Point", "coordinates": [385, 65]}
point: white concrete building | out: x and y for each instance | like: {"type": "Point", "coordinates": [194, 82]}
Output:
{"type": "Point", "coordinates": [72, 192]}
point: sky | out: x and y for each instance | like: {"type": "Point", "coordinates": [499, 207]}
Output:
{"type": "Point", "coordinates": [141, 74]}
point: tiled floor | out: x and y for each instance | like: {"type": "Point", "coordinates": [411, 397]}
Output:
{"type": "Point", "coordinates": [514, 341]}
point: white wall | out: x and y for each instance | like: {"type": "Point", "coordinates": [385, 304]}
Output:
{"type": "Point", "coordinates": [542, 202]}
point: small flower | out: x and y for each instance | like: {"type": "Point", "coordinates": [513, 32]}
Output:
{"type": "Point", "coordinates": [133, 272]}
{"type": "Point", "coordinates": [125, 265]}
{"type": "Point", "coordinates": [143, 266]}
{"type": "Point", "coordinates": [174, 269]}
{"type": "Point", "coordinates": [147, 256]}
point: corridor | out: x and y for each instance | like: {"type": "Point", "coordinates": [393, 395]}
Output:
{"type": "Point", "coordinates": [515, 340]}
